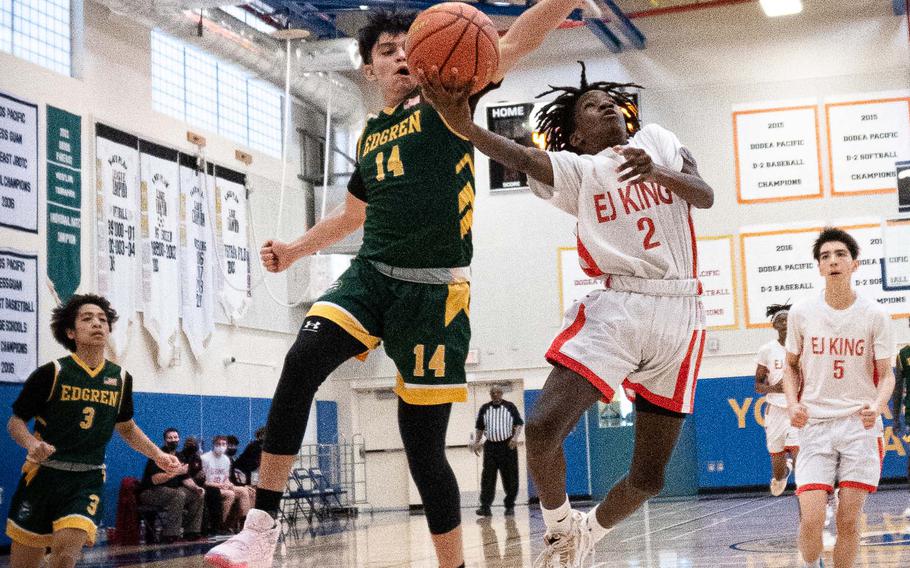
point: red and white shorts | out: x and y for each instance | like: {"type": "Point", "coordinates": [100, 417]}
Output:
{"type": "Point", "coordinates": [649, 344]}
{"type": "Point", "coordinates": [780, 435]}
{"type": "Point", "coordinates": [842, 449]}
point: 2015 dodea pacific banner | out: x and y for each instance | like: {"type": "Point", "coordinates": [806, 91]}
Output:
{"type": "Point", "coordinates": [117, 174]}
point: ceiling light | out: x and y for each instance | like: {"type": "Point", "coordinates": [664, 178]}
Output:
{"type": "Point", "coordinates": [775, 8]}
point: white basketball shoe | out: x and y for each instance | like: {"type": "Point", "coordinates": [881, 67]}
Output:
{"type": "Point", "coordinates": [566, 549]}
{"type": "Point", "coordinates": [253, 547]}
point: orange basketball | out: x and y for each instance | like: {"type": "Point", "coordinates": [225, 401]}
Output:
{"type": "Point", "coordinates": [454, 35]}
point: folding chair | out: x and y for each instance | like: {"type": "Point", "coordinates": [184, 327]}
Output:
{"type": "Point", "coordinates": [325, 490]}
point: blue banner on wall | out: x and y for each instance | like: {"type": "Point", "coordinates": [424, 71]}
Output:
{"type": "Point", "coordinates": [730, 436]}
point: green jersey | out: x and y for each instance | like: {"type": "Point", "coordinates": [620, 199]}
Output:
{"type": "Point", "coordinates": [416, 176]}
{"type": "Point", "coordinates": [903, 372]}
{"type": "Point", "coordinates": [76, 408]}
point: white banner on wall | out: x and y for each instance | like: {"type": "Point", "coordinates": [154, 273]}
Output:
{"type": "Point", "coordinates": [18, 164]}
{"type": "Point", "coordinates": [778, 266]}
{"type": "Point", "coordinates": [117, 199]}
{"type": "Point", "coordinates": [160, 183]}
{"type": "Point", "coordinates": [715, 271]}
{"type": "Point", "coordinates": [18, 315]}
{"type": "Point", "coordinates": [574, 284]}
{"type": "Point", "coordinates": [777, 151]}
{"type": "Point", "coordinates": [866, 136]}
{"type": "Point", "coordinates": [196, 251]}
{"type": "Point", "coordinates": [235, 258]}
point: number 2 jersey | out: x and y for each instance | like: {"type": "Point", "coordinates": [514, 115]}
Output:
{"type": "Point", "coordinates": [631, 234]}
{"type": "Point", "coordinates": [75, 407]}
{"type": "Point", "coordinates": [837, 352]}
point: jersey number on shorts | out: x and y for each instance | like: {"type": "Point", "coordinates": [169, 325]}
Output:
{"type": "Point", "coordinates": [93, 504]}
{"type": "Point", "coordinates": [88, 414]}
{"type": "Point", "coordinates": [437, 361]}
{"type": "Point", "coordinates": [647, 224]}
{"type": "Point", "coordinates": [394, 165]}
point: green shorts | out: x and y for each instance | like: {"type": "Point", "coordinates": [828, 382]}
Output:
{"type": "Point", "coordinates": [48, 500]}
{"type": "Point", "coordinates": [425, 327]}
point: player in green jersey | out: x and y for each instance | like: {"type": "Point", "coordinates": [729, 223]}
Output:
{"type": "Point", "coordinates": [901, 401]}
{"type": "Point", "coordinates": [413, 191]}
{"type": "Point", "coordinates": [77, 403]}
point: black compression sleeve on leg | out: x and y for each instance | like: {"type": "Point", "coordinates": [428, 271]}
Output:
{"type": "Point", "coordinates": [423, 432]}
{"type": "Point", "coordinates": [644, 405]}
{"type": "Point", "coordinates": [321, 346]}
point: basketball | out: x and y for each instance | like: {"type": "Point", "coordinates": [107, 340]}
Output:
{"type": "Point", "coordinates": [454, 35]}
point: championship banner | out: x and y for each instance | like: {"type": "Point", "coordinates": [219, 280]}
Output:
{"type": "Point", "coordinates": [715, 271]}
{"type": "Point", "coordinates": [865, 139]}
{"type": "Point", "coordinates": [18, 164]}
{"type": "Point", "coordinates": [160, 228]}
{"type": "Point", "coordinates": [777, 152]}
{"type": "Point", "coordinates": [574, 284]}
{"type": "Point", "coordinates": [64, 202]}
{"type": "Point", "coordinates": [196, 249]}
{"type": "Point", "coordinates": [117, 233]}
{"type": "Point", "coordinates": [18, 315]}
{"type": "Point", "coordinates": [232, 227]}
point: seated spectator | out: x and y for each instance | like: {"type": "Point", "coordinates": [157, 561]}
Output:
{"type": "Point", "coordinates": [175, 493]}
{"type": "Point", "coordinates": [216, 466]}
{"type": "Point", "coordinates": [190, 456]}
{"type": "Point", "coordinates": [246, 466]}
{"type": "Point", "coordinates": [232, 444]}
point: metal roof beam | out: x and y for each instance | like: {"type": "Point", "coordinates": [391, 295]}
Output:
{"type": "Point", "coordinates": [630, 30]}
{"type": "Point", "coordinates": [603, 33]}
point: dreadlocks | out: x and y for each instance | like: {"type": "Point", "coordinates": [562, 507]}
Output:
{"type": "Point", "coordinates": [775, 309]}
{"type": "Point", "coordinates": [556, 120]}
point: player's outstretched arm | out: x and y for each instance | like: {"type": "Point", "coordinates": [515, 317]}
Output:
{"type": "Point", "coordinates": [345, 219]}
{"type": "Point", "coordinates": [452, 104]}
{"type": "Point", "coordinates": [135, 438]}
{"type": "Point", "coordinates": [529, 30]}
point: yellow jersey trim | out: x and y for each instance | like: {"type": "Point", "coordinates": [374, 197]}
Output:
{"type": "Point", "coordinates": [50, 395]}
{"type": "Point", "coordinates": [452, 130]}
{"type": "Point", "coordinates": [78, 522]}
{"type": "Point", "coordinates": [430, 396]}
{"type": "Point", "coordinates": [91, 372]}
{"type": "Point", "coordinates": [30, 470]}
{"type": "Point", "coordinates": [27, 538]}
{"type": "Point", "coordinates": [458, 300]}
{"type": "Point", "coordinates": [347, 322]}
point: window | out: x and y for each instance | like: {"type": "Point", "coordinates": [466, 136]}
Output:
{"type": "Point", "coordinates": [251, 19]}
{"type": "Point", "coordinates": [190, 84]}
{"type": "Point", "coordinates": [37, 31]}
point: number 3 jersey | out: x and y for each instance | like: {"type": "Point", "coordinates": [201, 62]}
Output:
{"type": "Point", "coordinates": [837, 352]}
{"type": "Point", "coordinates": [631, 234]}
{"type": "Point", "coordinates": [75, 407]}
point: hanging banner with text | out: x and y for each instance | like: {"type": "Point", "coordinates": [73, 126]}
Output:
{"type": "Point", "coordinates": [574, 284]}
{"type": "Point", "coordinates": [865, 140]}
{"type": "Point", "coordinates": [196, 249]}
{"type": "Point", "coordinates": [715, 271]}
{"type": "Point", "coordinates": [64, 202]}
{"type": "Point", "coordinates": [777, 153]}
{"type": "Point", "coordinates": [117, 232]}
{"type": "Point", "coordinates": [234, 238]}
{"type": "Point", "coordinates": [778, 267]}
{"type": "Point", "coordinates": [18, 315]}
{"type": "Point", "coordinates": [18, 164]}
{"type": "Point", "coordinates": [160, 230]}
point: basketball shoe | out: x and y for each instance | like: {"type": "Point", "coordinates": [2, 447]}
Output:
{"type": "Point", "coordinates": [566, 549]}
{"type": "Point", "coordinates": [253, 547]}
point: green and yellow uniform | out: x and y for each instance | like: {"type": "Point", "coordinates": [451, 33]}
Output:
{"type": "Point", "coordinates": [903, 376]}
{"type": "Point", "coordinates": [410, 282]}
{"type": "Point", "coordinates": [75, 410]}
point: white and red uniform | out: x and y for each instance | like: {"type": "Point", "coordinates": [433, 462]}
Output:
{"type": "Point", "coordinates": [780, 435]}
{"type": "Point", "coordinates": [837, 351]}
{"type": "Point", "coordinates": [645, 329]}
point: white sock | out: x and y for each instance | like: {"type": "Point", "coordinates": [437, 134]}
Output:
{"type": "Point", "coordinates": [816, 564]}
{"type": "Point", "coordinates": [558, 519]}
{"type": "Point", "coordinates": [593, 526]}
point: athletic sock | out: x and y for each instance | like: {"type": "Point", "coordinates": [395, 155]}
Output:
{"type": "Point", "coordinates": [268, 501]}
{"type": "Point", "coordinates": [558, 519]}
{"type": "Point", "coordinates": [593, 526]}
{"type": "Point", "coordinates": [816, 564]}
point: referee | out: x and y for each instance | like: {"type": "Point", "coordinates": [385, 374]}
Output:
{"type": "Point", "coordinates": [501, 423]}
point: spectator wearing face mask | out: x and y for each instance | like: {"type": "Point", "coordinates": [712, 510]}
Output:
{"type": "Point", "coordinates": [175, 493]}
{"type": "Point", "coordinates": [216, 466]}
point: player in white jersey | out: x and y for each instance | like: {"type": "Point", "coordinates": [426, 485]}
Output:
{"type": "Point", "coordinates": [781, 437]}
{"type": "Point", "coordinates": [644, 331]}
{"type": "Point", "coordinates": [841, 344]}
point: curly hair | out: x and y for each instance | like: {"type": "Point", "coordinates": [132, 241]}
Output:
{"type": "Point", "coordinates": [833, 234]}
{"type": "Point", "coordinates": [63, 317]}
{"type": "Point", "coordinates": [379, 22]}
{"type": "Point", "coordinates": [556, 120]}
{"type": "Point", "coordinates": [775, 309]}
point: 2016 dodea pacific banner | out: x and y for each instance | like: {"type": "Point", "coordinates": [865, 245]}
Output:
{"type": "Point", "coordinates": [232, 226]}
{"type": "Point", "coordinates": [196, 242]}
{"type": "Point", "coordinates": [18, 315]}
{"type": "Point", "coordinates": [64, 202]}
{"type": "Point", "coordinates": [160, 199]}
{"type": "Point", "coordinates": [117, 173]}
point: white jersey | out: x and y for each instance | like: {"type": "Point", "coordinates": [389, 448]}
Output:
{"type": "Point", "coordinates": [637, 236]}
{"type": "Point", "coordinates": [837, 352]}
{"type": "Point", "coordinates": [217, 469]}
{"type": "Point", "coordinates": [772, 356]}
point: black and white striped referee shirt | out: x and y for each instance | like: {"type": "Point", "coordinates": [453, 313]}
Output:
{"type": "Point", "coordinates": [497, 421]}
